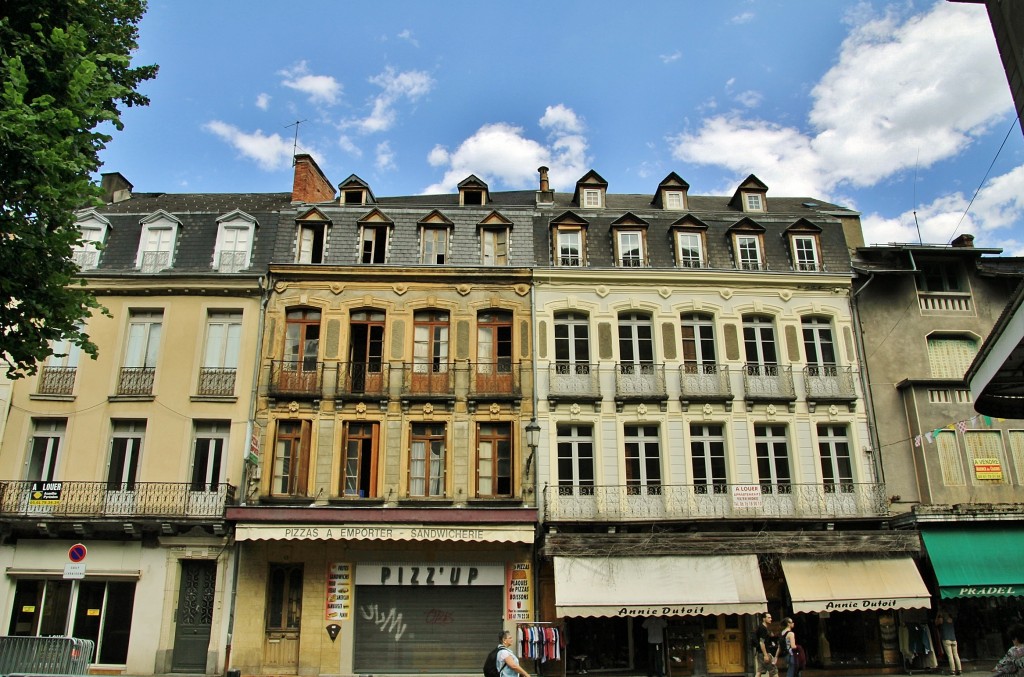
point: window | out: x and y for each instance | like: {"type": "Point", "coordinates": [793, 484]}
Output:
{"type": "Point", "coordinates": [352, 197]}
{"type": "Point", "coordinates": [836, 464]}
{"type": "Point", "coordinates": [430, 350]}
{"type": "Point", "coordinates": [950, 459]}
{"type": "Point", "coordinates": [575, 460]}
{"type": "Point", "coordinates": [312, 242]}
{"type": "Point", "coordinates": [690, 250]}
{"type": "Point", "coordinates": [985, 449]}
{"type": "Point", "coordinates": [366, 353]}
{"type": "Point", "coordinates": [156, 245]}
{"type": "Point", "coordinates": [940, 276]}
{"type": "Point", "coordinates": [44, 451]}
{"type": "Point", "coordinates": [374, 244]}
{"type": "Point", "coordinates": [1017, 451]}
{"type": "Point", "coordinates": [570, 246]}
{"type": "Point", "coordinates": [359, 471]}
{"type": "Point", "coordinates": [950, 356]}
{"type": "Point", "coordinates": [772, 458]}
{"type": "Point", "coordinates": [211, 440]}
{"type": "Point", "coordinates": [636, 343]}
{"type": "Point", "coordinates": [427, 460]}
{"type": "Point", "coordinates": [939, 396]}
{"type": "Point", "coordinates": [643, 459]}
{"type": "Point", "coordinates": [748, 252]}
{"type": "Point", "coordinates": [674, 199]}
{"type": "Point", "coordinates": [291, 458]}
{"type": "Point", "coordinates": [301, 343]}
{"type": "Point", "coordinates": [472, 197]}
{"type": "Point", "coordinates": [87, 254]}
{"type": "Point", "coordinates": [220, 356]}
{"type": "Point", "coordinates": [631, 248]}
{"type": "Point", "coordinates": [494, 246]}
{"type": "Point", "coordinates": [139, 370]}
{"type": "Point", "coordinates": [125, 452]}
{"type": "Point", "coordinates": [805, 253]}
{"type": "Point", "coordinates": [494, 352]}
{"type": "Point", "coordinates": [819, 348]}
{"type": "Point", "coordinates": [57, 377]}
{"type": "Point", "coordinates": [234, 242]}
{"type": "Point", "coordinates": [435, 246]}
{"type": "Point", "coordinates": [753, 202]}
{"type": "Point", "coordinates": [284, 597]}
{"type": "Point", "coordinates": [759, 346]}
{"type": "Point", "coordinates": [494, 460]}
{"type": "Point", "coordinates": [707, 453]}
{"type": "Point", "coordinates": [698, 343]}
{"type": "Point", "coordinates": [572, 343]}
{"type": "Point", "coordinates": [591, 198]}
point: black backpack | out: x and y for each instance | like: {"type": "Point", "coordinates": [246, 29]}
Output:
{"type": "Point", "coordinates": [491, 664]}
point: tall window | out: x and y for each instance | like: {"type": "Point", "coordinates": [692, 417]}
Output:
{"type": "Point", "coordinates": [366, 353]}
{"type": "Point", "coordinates": [819, 348]}
{"type": "Point", "coordinates": [211, 439]}
{"type": "Point", "coordinates": [47, 440]}
{"type": "Point", "coordinates": [291, 458]}
{"type": "Point", "coordinates": [836, 464]}
{"type": "Point", "coordinates": [312, 242]}
{"type": "Point", "coordinates": [494, 351]}
{"type": "Point", "coordinates": [572, 343]}
{"type": "Point", "coordinates": [631, 248]}
{"type": "Point", "coordinates": [748, 252]}
{"type": "Point", "coordinates": [125, 453]}
{"type": "Point", "coordinates": [570, 247]}
{"type": "Point", "coordinates": [234, 244]}
{"type": "Point", "coordinates": [57, 377]}
{"type": "Point", "coordinates": [950, 356]}
{"type": "Point", "coordinates": [772, 458]}
{"type": "Point", "coordinates": [494, 460]}
{"type": "Point", "coordinates": [707, 453]}
{"type": "Point", "coordinates": [950, 459]}
{"type": "Point", "coordinates": [144, 330]}
{"type": "Point", "coordinates": [636, 343]}
{"type": "Point", "coordinates": [643, 459]}
{"type": "Point", "coordinates": [87, 254]}
{"type": "Point", "coordinates": [220, 357]}
{"type": "Point", "coordinates": [430, 350]}
{"type": "Point", "coordinates": [435, 246]}
{"type": "Point", "coordinates": [301, 348]}
{"type": "Point", "coordinates": [805, 253]}
{"type": "Point", "coordinates": [698, 331]}
{"type": "Point", "coordinates": [374, 244]}
{"type": "Point", "coordinates": [427, 460]}
{"type": "Point", "coordinates": [985, 449]}
{"type": "Point", "coordinates": [156, 246]}
{"type": "Point", "coordinates": [575, 459]}
{"type": "Point", "coordinates": [494, 246]}
{"type": "Point", "coordinates": [759, 345]}
{"type": "Point", "coordinates": [284, 597]}
{"type": "Point", "coordinates": [690, 250]}
{"type": "Point", "coordinates": [359, 472]}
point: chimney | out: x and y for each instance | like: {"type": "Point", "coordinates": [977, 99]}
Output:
{"type": "Point", "coordinates": [965, 240]}
{"type": "Point", "coordinates": [545, 196]}
{"type": "Point", "coordinates": [309, 183]}
{"type": "Point", "coordinates": [115, 187]}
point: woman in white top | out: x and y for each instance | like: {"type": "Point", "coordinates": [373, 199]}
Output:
{"type": "Point", "coordinates": [507, 661]}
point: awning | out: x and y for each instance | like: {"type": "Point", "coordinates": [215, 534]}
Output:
{"type": "Point", "coordinates": [658, 586]}
{"type": "Point", "coordinates": [855, 584]}
{"type": "Point", "coordinates": [977, 562]}
{"type": "Point", "coordinates": [386, 532]}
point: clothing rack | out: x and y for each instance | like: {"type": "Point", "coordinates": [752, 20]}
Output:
{"type": "Point", "coordinates": [916, 643]}
{"type": "Point", "coordinates": [541, 642]}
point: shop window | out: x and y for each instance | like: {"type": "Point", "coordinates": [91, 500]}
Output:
{"type": "Point", "coordinates": [643, 459]}
{"type": "Point", "coordinates": [427, 460]}
{"type": "Point", "coordinates": [284, 597]}
{"type": "Point", "coordinates": [291, 458]}
{"type": "Point", "coordinates": [359, 469]}
{"type": "Point", "coordinates": [47, 440]}
{"type": "Point", "coordinates": [836, 462]}
{"type": "Point", "coordinates": [772, 459]}
{"type": "Point", "coordinates": [494, 460]}
{"type": "Point", "coordinates": [707, 454]}
{"type": "Point", "coordinates": [575, 459]}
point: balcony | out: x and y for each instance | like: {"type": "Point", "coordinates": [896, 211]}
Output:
{"type": "Point", "coordinates": [96, 500]}
{"type": "Point", "coordinates": [704, 383]}
{"type": "Point", "coordinates": [829, 383]}
{"type": "Point", "coordinates": [56, 380]}
{"type": "Point", "coordinates": [941, 303]}
{"type": "Point", "coordinates": [428, 381]}
{"type": "Point", "coordinates": [622, 503]}
{"type": "Point", "coordinates": [232, 261]}
{"type": "Point", "coordinates": [85, 259]}
{"type": "Point", "coordinates": [216, 382]}
{"type": "Point", "coordinates": [573, 382]}
{"type": "Point", "coordinates": [363, 380]}
{"type": "Point", "coordinates": [640, 382]}
{"type": "Point", "coordinates": [297, 379]}
{"type": "Point", "coordinates": [136, 381]}
{"type": "Point", "coordinates": [154, 262]}
{"type": "Point", "coordinates": [500, 380]}
{"type": "Point", "coordinates": [768, 383]}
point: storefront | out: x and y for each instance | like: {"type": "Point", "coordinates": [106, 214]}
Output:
{"type": "Point", "coordinates": [857, 612]}
{"type": "Point", "coordinates": [602, 603]}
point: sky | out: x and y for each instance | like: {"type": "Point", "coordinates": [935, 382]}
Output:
{"type": "Point", "coordinates": [898, 109]}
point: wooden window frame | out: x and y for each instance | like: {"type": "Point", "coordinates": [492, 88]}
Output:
{"type": "Point", "coordinates": [501, 463]}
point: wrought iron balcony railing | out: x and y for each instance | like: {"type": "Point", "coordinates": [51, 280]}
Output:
{"type": "Point", "coordinates": [296, 378]}
{"type": "Point", "coordinates": [232, 261]}
{"type": "Point", "coordinates": [639, 380]}
{"type": "Point", "coordinates": [154, 262]}
{"type": "Point", "coordinates": [706, 381]}
{"type": "Point", "coordinates": [768, 382]}
{"type": "Point", "coordinates": [75, 500]}
{"type": "Point", "coordinates": [712, 501]}
{"type": "Point", "coordinates": [57, 380]}
{"type": "Point", "coordinates": [428, 379]}
{"type": "Point", "coordinates": [495, 379]}
{"type": "Point", "coordinates": [136, 381]}
{"type": "Point", "coordinates": [370, 379]}
{"type": "Point", "coordinates": [829, 382]}
{"type": "Point", "coordinates": [217, 381]}
{"type": "Point", "coordinates": [573, 380]}
{"type": "Point", "coordinates": [85, 259]}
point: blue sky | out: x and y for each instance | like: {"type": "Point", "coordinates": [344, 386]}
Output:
{"type": "Point", "coordinates": [889, 108]}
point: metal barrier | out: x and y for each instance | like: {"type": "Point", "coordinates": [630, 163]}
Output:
{"type": "Point", "coordinates": [45, 655]}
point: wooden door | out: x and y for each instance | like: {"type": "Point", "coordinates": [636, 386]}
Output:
{"type": "Point", "coordinates": [723, 643]}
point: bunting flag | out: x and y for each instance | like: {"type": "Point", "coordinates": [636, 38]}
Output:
{"type": "Point", "coordinates": [961, 426]}
{"type": "Point", "coordinates": [917, 441]}
{"type": "Point", "coordinates": [930, 437]}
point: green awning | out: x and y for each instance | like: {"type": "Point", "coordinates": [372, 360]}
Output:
{"type": "Point", "coordinates": [977, 562]}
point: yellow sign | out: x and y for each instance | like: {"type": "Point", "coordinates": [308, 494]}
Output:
{"type": "Point", "coordinates": [519, 588]}
{"type": "Point", "coordinates": [988, 469]}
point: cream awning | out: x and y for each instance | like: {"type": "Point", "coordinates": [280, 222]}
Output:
{"type": "Point", "coordinates": [658, 586]}
{"type": "Point", "coordinates": [855, 584]}
{"type": "Point", "coordinates": [386, 532]}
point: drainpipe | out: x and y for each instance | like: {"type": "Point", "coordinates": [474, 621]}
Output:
{"type": "Point", "coordinates": [865, 382]}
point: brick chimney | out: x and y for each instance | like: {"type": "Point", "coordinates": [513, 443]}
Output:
{"type": "Point", "coordinates": [310, 184]}
{"type": "Point", "coordinates": [545, 196]}
{"type": "Point", "coordinates": [115, 187]}
{"type": "Point", "coordinates": [965, 240]}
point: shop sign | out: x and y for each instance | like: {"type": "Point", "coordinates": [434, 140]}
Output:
{"type": "Point", "coordinates": [990, 591]}
{"type": "Point", "coordinates": [430, 574]}
{"type": "Point", "coordinates": [746, 496]}
{"type": "Point", "coordinates": [988, 469]}
{"type": "Point", "coordinates": [519, 587]}
{"type": "Point", "coordinates": [45, 493]}
{"type": "Point", "coordinates": [626, 611]}
{"type": "Point", "coordinates": [339, 591]}
{"type": "Point", "coordinates": [387, 532]}
{"type": "Point", "coordinates": [860, 604]}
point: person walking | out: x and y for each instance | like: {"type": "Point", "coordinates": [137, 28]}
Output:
{"type": "Point", "coordinates": [1013, 662]}
{"type": "Point", "coordinates": [792, 648]}
{"type": "Point", "coordinates": [947, 633]}
{"type": "Point", "coordinates": [508, 661]}
{"type": "Point", "coordinates": [766, 654]}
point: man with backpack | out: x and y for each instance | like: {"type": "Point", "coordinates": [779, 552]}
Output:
{"type": "Point", "coordinates": [766, 649]}
{"type": "Point", "coordinates": [501, 662]}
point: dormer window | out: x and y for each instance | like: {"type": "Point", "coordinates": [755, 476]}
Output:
{"type": "Point", "coordinates": [354, 192]}
{"type": "Point", "coordinates": [630, 233]}
{"type": "Point", "coordinates": [590, 191]}
{"type": "Point", "coordinates": [805, 246]}
{"type": "Point", "coordinates": [690, 249]}
{"type": "Point", "coordinates": [751, 196]}
{"type": "Point", "coordinates": [92, 229]}
{"type": "Point", "coordinates": [473, 197]}
{"type": "Point", "coordinates": [352, 197]}
{"type": "Point", "coordinates": [311, 244]}
{"type": "Point", "coordinates": [156, 246]}
{"type": "Point", "coordinates": [494, 237]}
{"type": "Point", "coordinates": [748, 245]}
{"type": "Point", "coordinates": [591, 198]}
{"type": "Point", "coordinates": [753, 202]}
{"type": "Point", "coordinates": [234, 242]}
{"type": "Point", "coordinates": [472, 192]}
{"type": "Point", "coordinates": [674, 199]}
{"type": "Point", "coordinates": [374, 229]}
{"type": "Point", "coordinates": [434, 231]}
{"type": "Point", "coordinates": [569, 239]}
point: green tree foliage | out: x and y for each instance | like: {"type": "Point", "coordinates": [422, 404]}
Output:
{"type": "Point", "coordinates": [65, 66]}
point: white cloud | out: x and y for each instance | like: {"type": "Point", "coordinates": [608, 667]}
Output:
{"type": "Point", "coordinates": [385, 157]}
{"type": "Point", "coordinates": [749, 98]}
{"type": "Point", "coordinates": [270, 152]}
{"type": "Point", "coordinates": [407, 36]}
{"type": "Point", "coordinates": [502, 155]}
{"type": "Point", "coordinates": [898, 95]}
{"type": "Point", "coordinates": [323, 89]}
{"type": "Point", "coordinates": [409, 85]}
{"type": "Point", "coordinates": [263, 101]}
{"type": "Point", "coordinates": [346, 143]}
{"type": "Point", "coordinates": [745, 17]}
{"type": "Point", "coordinates": [669, 58]}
